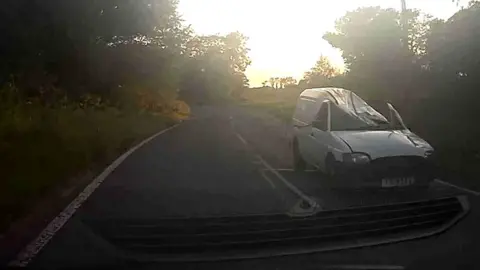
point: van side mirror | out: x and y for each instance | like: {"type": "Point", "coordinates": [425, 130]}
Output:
{"type": "Point", "coordinates": [321, 125]}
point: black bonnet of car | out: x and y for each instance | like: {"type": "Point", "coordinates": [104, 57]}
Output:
{"type": "Point", "coordinates": [258, 236]}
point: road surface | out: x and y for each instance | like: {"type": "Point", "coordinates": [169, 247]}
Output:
{"type": "Point", "coordinates": [233, 161]}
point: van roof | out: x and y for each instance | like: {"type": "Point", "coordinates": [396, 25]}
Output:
{"type": "Point", "coordinates": [340, 94]}
{"type": "Point", "coordinates": [343, 101]}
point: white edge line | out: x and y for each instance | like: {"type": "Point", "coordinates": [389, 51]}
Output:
{"type": "Point", "coordinates": [371, 267]}
{"type": "Point", "coordinates": [291, 170]}
{"type": "Point", "coordinates": [35, 246]}
{"type": "Point", "coordinates": [289, 185]}
{"type": "Point", "coordinates": [268, 179]}
{"type": "Point", "coordinates": [476, 193]}
{"type": "Point", "coordinates": [241, 139]}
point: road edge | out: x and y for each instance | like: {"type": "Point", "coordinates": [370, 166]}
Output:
{"type": "Point", "coordinates": [35, 246]}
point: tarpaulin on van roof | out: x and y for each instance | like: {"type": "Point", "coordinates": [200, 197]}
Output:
{"type": "Point", "coordinates": [353, 113]}
{"type": "Point", "coordinates": [348, 111]}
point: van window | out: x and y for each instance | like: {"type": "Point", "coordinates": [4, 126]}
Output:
{"type": "Point", "coordinates": [359, 104]}
{"type": "Point", "coordinates": [299, 110]}
{"type": "Point", "coordinates": [322, 113]}
{"type": "Point", "coordinates": [306, 110]}
{"type": "Point", "coordinates": [311, 111]}
{"type": "Point", "coordinates": [321, 119]}
{"type": "Point", "coordinates": [342, 120]}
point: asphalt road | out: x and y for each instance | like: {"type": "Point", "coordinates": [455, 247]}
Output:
{"type": "Point", "coordinates": [219, 163]}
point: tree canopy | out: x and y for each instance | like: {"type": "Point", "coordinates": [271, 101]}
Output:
{"type": "Point", "coordinates": [216, 65]}
{"type": "Point", "coordinates": [320, 74]}
{"type": "Point", "coordinates": [113, 48]}
{"type": "Point", "coordinates": [433, 77]}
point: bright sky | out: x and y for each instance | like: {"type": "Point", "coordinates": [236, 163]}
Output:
{"type": "Point", "coordinates": [286, 35]}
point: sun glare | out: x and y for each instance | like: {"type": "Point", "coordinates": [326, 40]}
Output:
{"type": "Point", "coordinates": [285, 37]}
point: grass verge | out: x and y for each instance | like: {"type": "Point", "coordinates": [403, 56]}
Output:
{"type": "Point", "coordinates": [42, 147]}
{"type": "Point", "coordinates": [280, 110]}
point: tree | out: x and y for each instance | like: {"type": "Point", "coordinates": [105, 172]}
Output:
{"type": "Point", "coordinates": [115, 49]}
{"type": "Point", "coordinates": [320, 73]}
{"type": "Point", "coordinates": [371, 40]}
{"type": "Point", "coordinates": [281, 81]}
{"type": "Point", "coordinates": [264, 83]}
{"type": "Point", "coordinates": [216, 66]}
{"type": "Point", "coordinates": [289, 81]}
{"type": "Point", "coordinates": [76, 45]}
{"type": "Point", "coordinates": [272, 82]}
{"type": "Point", "coordinates": [277, 82]}
{"type": "Point", "coordinates": [452, 51]}
{"type": "Point", "coordinates": [367, 33]}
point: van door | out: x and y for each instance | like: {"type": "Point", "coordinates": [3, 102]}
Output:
{"type": "Point", "coordinates": [306, 108]}
{"type": "Point", "coordinates": [320, 137]}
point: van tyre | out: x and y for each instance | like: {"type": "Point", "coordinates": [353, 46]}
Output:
{"type": "Point", "coordinates": [299, 163]}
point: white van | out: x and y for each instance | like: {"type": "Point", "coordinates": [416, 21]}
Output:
{"type": "Point", "coordinates": [339, 133]}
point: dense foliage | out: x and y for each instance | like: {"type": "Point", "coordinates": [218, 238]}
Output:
{"type": "Point", "coordinates": [97, 47]}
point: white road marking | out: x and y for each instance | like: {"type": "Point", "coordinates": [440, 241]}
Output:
{"type": "Point", "coordinates": [34, 247]}
{"type": "Point", "coordinates": [262, 172]}
{"type": "Point", "coordinates": [284, 170]}
{"type": "Point", "coordinates": [241, 139]}
{"type": "Point", "coordinates": [292, 170]}
{"type": "Point", "coordinates": [372, 267]}
{"type": "Point", "coordinates": [476, 193]}
{"type": "Point", "coordinates": [289, 185]}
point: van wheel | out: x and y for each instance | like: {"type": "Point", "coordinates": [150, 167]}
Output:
{"type": "Point", "coordinates": [299, 163]}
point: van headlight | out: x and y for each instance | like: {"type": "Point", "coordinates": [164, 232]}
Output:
{"type": "Point", "coordinates": [356, 158]}
{"type": "Point", "coordinates": [428, 153]}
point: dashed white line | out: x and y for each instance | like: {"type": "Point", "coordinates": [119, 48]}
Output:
{"type": "Point", "coordinates": [284, 170]}
{"type": "Point", "coordinates": [34, 247]}
{"type": "Point", "coordinates": [241, 139]}
{"type": "Point", "coordinates": [473, 192]}
{"type": "Point", "coordinates": [262, 172]}
{"type": "Point", "coordinates": [289, 185]}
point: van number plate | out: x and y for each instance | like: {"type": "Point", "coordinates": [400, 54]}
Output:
{"type": "Point", "coordinates": [398, 182]}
